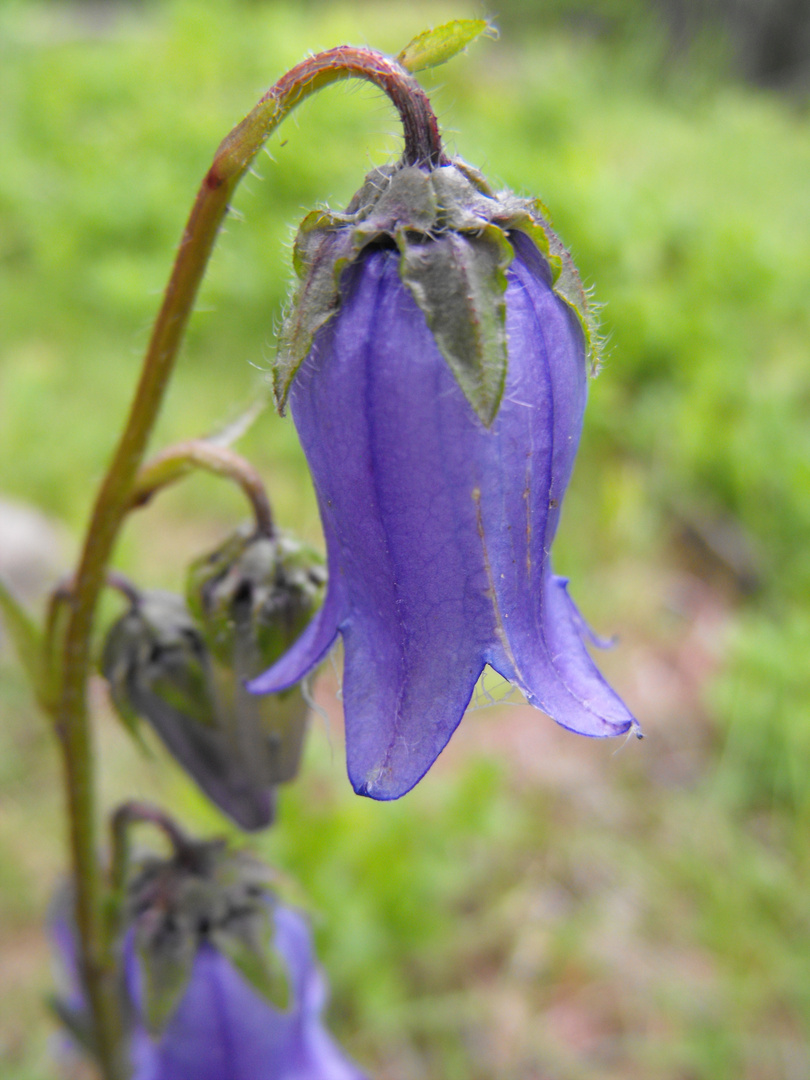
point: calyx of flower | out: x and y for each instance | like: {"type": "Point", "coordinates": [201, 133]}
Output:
{"type": "Point", "coordinates": [453, 233]}
{"type": "Point", "coordinates": [273, 584]}
{"type": "Point", "coordinates": [204, 893]}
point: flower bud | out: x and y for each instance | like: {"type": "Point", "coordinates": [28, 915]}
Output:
{"type": "Point", "coordinates": [159, 668]}
{"type": "Point", "coordinates": [252, 597]}
{"type": "Point", "coordinates": [219, 979]}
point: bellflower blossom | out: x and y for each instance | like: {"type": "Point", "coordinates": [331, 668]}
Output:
{"type": "Point", "coordinates": [224, 1030]}
{"type": "Point", "coordinates": [438, 389]}
{"type": "Point", "coordinates": [204, 946]}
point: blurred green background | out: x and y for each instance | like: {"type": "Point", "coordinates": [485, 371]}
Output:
{"type": "Point", "coordinates": [541, 907]}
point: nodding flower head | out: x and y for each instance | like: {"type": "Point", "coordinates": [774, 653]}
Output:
{"type": "Point", "coordinates": [219, 980]}
{"type": "Point", "coordinates": [435, 360]}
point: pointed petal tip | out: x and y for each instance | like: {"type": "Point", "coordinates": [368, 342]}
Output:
{"type": "Point", "coordinates": [265, 683]}
{"type": "Point", "coordinates": [389, 763]}
{"type": "Point", "coordinates": [368, 791]}
{"type": "Point", "coordinates": [386, 784]}
{"type": "Point", "coordinates": [598, 727]}
{"type": "Point", "coordinates": [371, 787]}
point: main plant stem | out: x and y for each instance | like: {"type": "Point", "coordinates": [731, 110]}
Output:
{"type": "Point", "coordinates": [232, 159]}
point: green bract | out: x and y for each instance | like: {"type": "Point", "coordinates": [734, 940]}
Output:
{"type": "Point", "coordinates": [453, 235]}
{"type": "Point", "coordinates": [434, 47]}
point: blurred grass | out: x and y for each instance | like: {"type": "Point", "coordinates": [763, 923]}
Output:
{"type": "Point", "coordinates": [640, 915]}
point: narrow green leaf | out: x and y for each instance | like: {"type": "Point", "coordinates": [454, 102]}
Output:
{"type": "Point", "coordinates": [234, 429]}
{"type": "Point", "coordinates": [27, 639]}
{"type": "Point", "coordinates": [459, 282]}
{"type": "Point", "coordinates": [434, 47]}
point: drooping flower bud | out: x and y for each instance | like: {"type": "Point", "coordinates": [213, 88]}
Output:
{"type": "Point", "coordinates": [435, 359]}
{"type": "Point", "coordinates": [159, 668]}
{"type": "Point", "coordinates": [252, 597]}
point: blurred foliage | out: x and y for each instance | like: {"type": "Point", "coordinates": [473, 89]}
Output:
{"type": "Point", "coordinates": [767, 41]}
{"type": "Point", "coordinates": [647, 920]}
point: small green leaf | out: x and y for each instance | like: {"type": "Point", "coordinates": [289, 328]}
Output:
{"type": "Point", "coordinates": [434, 47]}
{"type": "Point", "coordinates": [232, 430]}
{"type": "Point", "coordinates": [459, 282]}
{"type": "Point", "coordinates": [27, 639]}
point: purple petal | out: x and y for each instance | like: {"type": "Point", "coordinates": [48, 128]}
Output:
{"type": "Point", "coordinates": [540, 630]}
{"type": "Point", "coordinates": [308, 650]}
{"type": "Point", "coordinates": [559, 677]}
{"type": "Point", "coordinates": [392, 446]}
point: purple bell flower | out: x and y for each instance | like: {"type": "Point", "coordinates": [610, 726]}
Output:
{"type": "Point", "coordinates": [438, 506]}
{"type": "Point", "coordinates": [223, 1029]}
{"type": "Point", "coordinates": [206, 951]}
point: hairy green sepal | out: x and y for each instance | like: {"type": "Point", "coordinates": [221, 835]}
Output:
{"type": "Point", "coordinates": [452, 232]}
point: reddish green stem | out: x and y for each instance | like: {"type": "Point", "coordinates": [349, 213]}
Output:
{"type": "Point", "coordinates": [179, 460]}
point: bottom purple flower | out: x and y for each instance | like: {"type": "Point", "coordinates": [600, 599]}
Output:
{"type": "Point", "coordinates": [224, 1030]}
{"type": "Point", "coordinates": [219, 981]}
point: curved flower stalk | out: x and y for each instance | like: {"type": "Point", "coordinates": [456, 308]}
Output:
{"type": "Point", "coordinates": [114, 499]}
{"type": "Point", "coordinates": [439, 400]}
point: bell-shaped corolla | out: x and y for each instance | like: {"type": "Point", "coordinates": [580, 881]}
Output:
{"type": "Point", "coordinates": [438, 395]}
